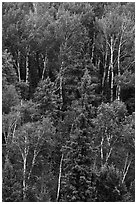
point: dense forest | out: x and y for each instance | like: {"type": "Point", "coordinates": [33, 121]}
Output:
{"type": "Point", "coordinates": [68, 102]}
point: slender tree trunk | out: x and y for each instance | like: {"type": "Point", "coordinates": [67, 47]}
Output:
{"type": "Point", "coordinates": [126, 171]}
{"type": "Point", "coordinates": [24, 156]}
{"type": "Point", "coordinates": [93, 47]}
{"type": "Point", "coordinates": [32, 165]}
{"type": "Point", "coordinates": [18, 66]}
{"type": "Point", "coordinates": [125, 163]}
{"type": "Point", "coordinates": [24, 179]}
{"type": "Point", "coordinates": [37, 64]}
{"type": "Point", "coordinates": [18, 69]}
{"type": "Point", "coordinates": [27, 68]}
{"type": "Point", "coordinates": [61, 84]}
{"type": "Point", "coordinates": [45, 66]}
{"type": "Point", "coordinates": [98, 63]}
{"type": "Point", "coordinates": [108, 73]}
{"type": "Point", "coordinates": [59, 179]}
{"type": "Point", "coordinates": [105, 67]}
{"type": "Point", "coordinates": [35, 7]}
{"type": "Point", "coordinates": [118, 86]}
{"type": "Point", "coordinates": [101, 151]}
{"type": "Point", "coordinates": [13, 135]}
{"type": "Point", "coordinates": [108, 155]}
{"type": "Point", "coordinates": [103, 81]}
{"type": "Point", "coordinates": [112, 69]}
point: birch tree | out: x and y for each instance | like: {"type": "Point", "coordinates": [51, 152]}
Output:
{"type": "Point", "coordinates": [108, 130]}
{"type": "Point", "coordinates": [118, 30]}
{"type": "Point", "coordinates": [29, 140]}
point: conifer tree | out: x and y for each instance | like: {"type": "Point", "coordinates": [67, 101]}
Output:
{"type": "Point", "coordinates": [77, 184]}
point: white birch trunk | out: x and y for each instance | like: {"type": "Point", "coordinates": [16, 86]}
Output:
{"type": "Point", "coordinates": [112, 70]}
{"type": "Point", "coordinates": [45, 66]}
{"type": "Point", "coordinates": [61, 84]}
{"type": "Point", "coordinates": [93, 47]}
{"type": "Point", "coordinates": [27, 69]}
{"type": "Point", "coordinates": [105, 67]}
{"type": "Point", "coordinates": [24, 179]}
{"type": "Point", "coordinates": [32, 165]}
{"type": "Point", "coordinates": [59, 179]}
{"type": "Point", "coordinates": [126, 171]}
{"type": "Point", "coordinates": [118, 61]}
{"type": "Point", "coordinates": [18, 66]}
{"type": "Point", "coordinates": [108, 155]}
{"type": "Point", "coordinates": [101, 151]}
{"type": "Point", "coordinates": [35, 7]}
{"type": "Point", "coordinates": [24, 156]}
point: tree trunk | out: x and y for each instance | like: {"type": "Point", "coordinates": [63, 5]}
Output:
{"type": "Point", "coordinates": [27, 68]}
{"type": "Point", "coordinates": [33, 162]}
{"type": "Point", "coordinates": [126, 170]}
{"type": "Point", "coordinates": [112, 69]}
{"type": "Point", "coordinates": [61, 84]}
{"type": "Point", "coordinates": [108, 155]}
{"type": "Point", "coordinates": [93, 47]}
{"type": "Point", "coordinates": [105, 67]}
{"type": "Point", "coordinates": [101, 151]}
{"type": "Point", "coordinates": [98, 64]}
{"type": "Point", "coordinates": [118, 61]}
{"type": "Point", "coordinates": [35, 7]}
{"type": "Point", "coordinates": [18, 66]}
{"type": "Point", "coordinates": [24, 178]}
{"type": "Point", "coordinates": [45, 66]}
{"type": "Point", "coordinates": [108, 74]}
{"type": "Point", "coordinates": [38, 64]}
{"type": "Point", "coordinates": [59, 179]}
{"type": "Point", "coordinates": [24, 157]}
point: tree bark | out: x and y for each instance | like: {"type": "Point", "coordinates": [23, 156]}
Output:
{"type": "Point", "coordinates": [126, 170]}
{"type": "Point", "coordinates": [105, 67]}
{"type": "Point", "coordinates": [108, 155]}
{"type": "Point", "coordinates": [18, 66]}
{"type": "Point", "coordinates": [59, 179]}
{"type": "Point", "coordinates": [101, 151]}
{"type": "Point", "coordinates": [112, 69]}
{"type": "Point", "coordinates": [24, 179]}
{"type": "Point", "coordinates": [61, 84]}
{"type": "Point", "coordinates": [118, 61]}
{"type": "Point", "coordinates": [24, 156]}
{"type": "Point", "coordinates": [93, 47]}
{"type": "Point", "coordinates": [35, 7]}
{"type": "Point", "coordinates": [33, 162]}
{"type": "Point", "coordinates": [27, 68]}
{"type": "Point", "coordinates": [45, 66]}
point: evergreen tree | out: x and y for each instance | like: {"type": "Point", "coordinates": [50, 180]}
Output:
{"type": "Point", "coordinates": [77, 184]}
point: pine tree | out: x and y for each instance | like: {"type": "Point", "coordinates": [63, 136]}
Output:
{"type": "Point", "coordinates": [77, 183]}
{"type": "Point", "coordinates": [45, 97]}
